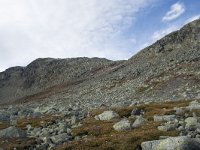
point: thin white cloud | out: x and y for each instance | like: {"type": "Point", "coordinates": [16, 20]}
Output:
{"type": "Point", "coordinates": [161, 33]}
{"type": "Point", "coordinates": [192, 18]}
{"type": "Point", "coordinates": [65, 28]}
{"type": "Point", "coordinates": [175, 11]}
{"type": "Point", "coordinates": [157, 35]}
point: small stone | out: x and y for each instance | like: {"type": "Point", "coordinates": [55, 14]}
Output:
{"type": "Point", "coordinates": [181, 128]}
{"type": "Point", "coordinates": [29, 127]}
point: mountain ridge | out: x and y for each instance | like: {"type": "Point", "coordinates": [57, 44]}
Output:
{"type": "Point", "coordinates": [144, 76]}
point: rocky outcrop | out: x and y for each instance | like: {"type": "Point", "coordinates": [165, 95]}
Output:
{"type": "Point", "coordinates": [47, 75]}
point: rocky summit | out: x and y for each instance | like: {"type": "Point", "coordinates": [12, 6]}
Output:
{"type": "Point", "coordinates": [145, 102]}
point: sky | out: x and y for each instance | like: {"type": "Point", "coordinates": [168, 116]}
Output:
{"type": "Point", "coordinates": [112, 29]}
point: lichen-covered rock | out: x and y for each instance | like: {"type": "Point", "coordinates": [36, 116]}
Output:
{"type": "Point", "coordinates": [164, 118]}
{"type": "Point", "coordinates": [172, 143]}
{"type": "Point", "coordinates": [191, 122]}
{"type": "Point", "coordinates": [107, 115]}
{"type": "Point", "coordinates": [194, 105]}
{"type": "Point", "coordinates": [58, 139]}
{"type": "Point", "coordinates": [138, 122]}
{"type": "Point", "coordinates": [166, 128]}
{"type": "Point", "coordinates": [123, 125]}
{"type": "Point", "coordinates": [12, 132]}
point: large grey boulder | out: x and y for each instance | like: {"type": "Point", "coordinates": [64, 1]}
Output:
{"type": "Point", "coordinates": [123, 125]}
{"type": "Point", "coordinates": [12, 132]}
{"type": "Point", "coordinates": [107, 115]}
{"type": "Point", "coordinates": [172, 143]}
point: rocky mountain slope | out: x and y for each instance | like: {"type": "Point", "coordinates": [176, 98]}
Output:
{"type": "Point", "coordinates": [167, 70]}
{"type": "Point", "coordinates": [47, 73]}
{"type": "Point", "coordinates": [143, 103]}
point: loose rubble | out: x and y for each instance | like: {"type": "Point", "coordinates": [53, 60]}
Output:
{"type": "Point", "coordinates": [57, 131]}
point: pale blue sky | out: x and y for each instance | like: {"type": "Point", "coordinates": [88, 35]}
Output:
{"type": "Point", "coordinates": [114, 29]}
